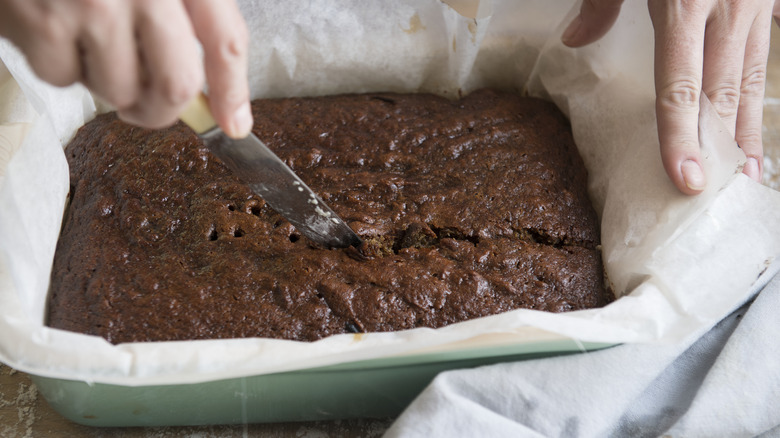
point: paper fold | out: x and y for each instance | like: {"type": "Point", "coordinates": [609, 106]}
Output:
{"type": "Point", "coordinates": [681, 262]}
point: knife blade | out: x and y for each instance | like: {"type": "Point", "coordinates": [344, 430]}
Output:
{"type": "Point", "coordinates": [270, 178]}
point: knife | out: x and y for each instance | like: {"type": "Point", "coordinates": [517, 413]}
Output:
{"type": "Point", "coordinates": [267, 176]}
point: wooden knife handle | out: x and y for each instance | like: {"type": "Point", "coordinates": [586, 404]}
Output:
{"type": "Point", "coordinates": [197, 114]}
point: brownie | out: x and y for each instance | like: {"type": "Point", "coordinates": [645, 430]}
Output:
{"type": "Point", "coordinates": [467, 208]}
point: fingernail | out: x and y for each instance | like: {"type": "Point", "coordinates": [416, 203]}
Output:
{"type": "Point", "coordinates": [572, 30]}
{"type": "Point", "coordinates": [751, 169]}
{"type": "Point", "coordinates": [241, 123]}
{"type": "Point", "coordinates": [693, 175]}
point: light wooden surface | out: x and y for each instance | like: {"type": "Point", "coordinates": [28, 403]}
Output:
{"type": "Point", "coordinates": [23, 413]}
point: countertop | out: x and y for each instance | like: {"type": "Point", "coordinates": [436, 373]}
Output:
{"type": "Point", "coordinates": [24, 413]}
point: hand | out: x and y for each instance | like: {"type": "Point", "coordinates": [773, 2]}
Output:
{"type": "Point", "coordinates": [140, 56]}
{"type": "Point", "coordinates": [719, 47]}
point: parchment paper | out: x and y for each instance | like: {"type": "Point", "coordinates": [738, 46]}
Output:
{"type": "Point", "coordinates": [679, 263]}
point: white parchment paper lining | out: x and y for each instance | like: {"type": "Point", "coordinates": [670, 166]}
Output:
{"type": "Point", "coordinates": [679, 263]}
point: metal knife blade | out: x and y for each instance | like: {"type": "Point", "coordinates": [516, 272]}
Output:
{"type": "Point", "coordinates": [268, 176]}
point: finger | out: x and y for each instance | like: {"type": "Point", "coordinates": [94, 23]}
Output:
{"type": "Point", "coordinates": [223, 34]}
{"type": "Point", "coordinates": [110, 57]}
{"type": "Point", "coordinates": [724, 55]}
{"type": "Point", "coordinates": [48, 41]}
{"type": "Point", "coordinates": [750, 113]}
{"type": "Point", "coordinates": [679, 45]}
{"type": "Point", "coordinates": [171, 70]}
{"type": "Point", "coordinates": [594, 21]}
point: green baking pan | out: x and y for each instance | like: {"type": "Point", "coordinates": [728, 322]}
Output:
{"type": "Point", "coordinates": [375, 388]}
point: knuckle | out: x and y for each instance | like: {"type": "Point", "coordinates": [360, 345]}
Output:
{"type": "Point", "coordinates": [754, 81]}
{"type": "Point", "coordinates": [232, 45]}
{"type": "Point", "coordinates": [750, 141]}
{"type": "Point", "coordinates": [725, 99]}
{"type": "Point", "coordinates": [681, 93]}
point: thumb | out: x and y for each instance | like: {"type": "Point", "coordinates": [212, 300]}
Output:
{"type": "Point", "coordinates": [594, 21]}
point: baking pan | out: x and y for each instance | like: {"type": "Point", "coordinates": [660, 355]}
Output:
{"type": "Point", "coordinates": [374, 388]}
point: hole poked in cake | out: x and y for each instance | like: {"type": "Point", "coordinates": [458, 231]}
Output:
{"type": "Point", "coordinates": [281, 230]}
{"type": "Point", "coordinates": [253, 207]}
{"type": "Point", "coordinates": [212, 233]}
{"type": "Point", "coordinates": [235, 231]}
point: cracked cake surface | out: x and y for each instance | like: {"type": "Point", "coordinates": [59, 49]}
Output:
{"type": "Point", "coordinates": [467, 208]}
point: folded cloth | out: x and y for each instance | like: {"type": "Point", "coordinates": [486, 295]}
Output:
{"type": "Point", "coordinates": [723, 383]}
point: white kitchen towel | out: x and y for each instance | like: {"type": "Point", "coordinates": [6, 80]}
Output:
{"type": "Point", "coordinates": [725, 383]}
